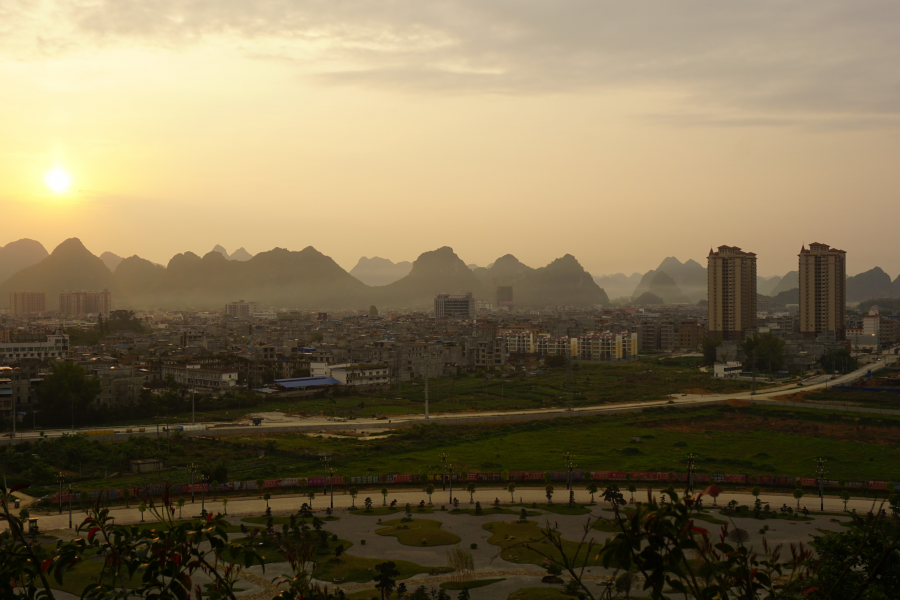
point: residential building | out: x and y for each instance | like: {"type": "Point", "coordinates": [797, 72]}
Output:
{"type": "Point", "coordinates": [485, 352]}
{"type": "Point", "coordinates": [731, 282]}
{"type": "Point", "coordinates": [353, 374]}
{"type": "Point", "coordinates": [77, 303]}
{"type": "Point", "coordinates": [23, 302]}
{"type": "Point", "coordinates": [689, 334]}
{"type": "Point", "coordinates": [727, 370]}
{"type": "Point", "coordinates": [606, 346]}
{"type": "Point", "coordinates": [544, 345]}
{"type": "Point", "coordinates": [241, 309]}
{"type": "Point", "coordinates": [118, 385]}
{"type": "Point", "coordinates": [504, 296]}
{"type": "Point", "coordinates": [54, 347]}
{"type": "Point", "coordinates": [454, 305]}
{"type": "Point", "coordinates": [823, 290]}
{"type": "Point", "coordinates": [517, 342]}
{"type": "Point", "coordinates": [196, 376]}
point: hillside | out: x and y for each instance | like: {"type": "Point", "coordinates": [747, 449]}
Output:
{"type": "Point", "coordinates": [17, 255]}
{"type": "Point", "coordinates": [618, 285]}
{"type": "Point", "coordinates": [689, 278]}
{"type": "Point", "coordinates": [111, 260]}
{"type": "Point", "coordinates": [790, 281]}
{"type": "Point", "coordinates": [380, 271]}
{"type": "Point", "coordinates": [70, 266]}
{"type": "Point", "coordinates": [435, 272]}
{"type": "Point", "coordinates": [873, 283]}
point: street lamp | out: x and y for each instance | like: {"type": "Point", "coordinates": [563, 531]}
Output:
{"type": "Point", "coordinates": [570, 468]}
{"type": "Point", "coordinates": [325, 468]}
{"type": "Point", "coordinates": [444, 458]}
{"type": "Point", "coordinates": [203, 479]}
{"type": "Point", "coordinates": [59, 480]}
{"type": "Point", "coordinates": [193, 467]}
{"type": "Point", "coordinates": [332, 488]}
{"type": "Point", "coordinates": [450, 469]}
{"type": "Point", "coordinates": [820, 468]}
{"type": "Point", "coordinates": [691, 467]}
{"type": "Point", "coordinates": [71, 490]}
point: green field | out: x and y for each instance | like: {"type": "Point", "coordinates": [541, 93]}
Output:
{"type": "Point", "coordinates": [418, 532]}
{"type": "Point", "coordinates": [729, 438]}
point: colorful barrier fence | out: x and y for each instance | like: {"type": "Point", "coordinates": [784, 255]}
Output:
{"type": "Point", "coordinates": [599, 476]}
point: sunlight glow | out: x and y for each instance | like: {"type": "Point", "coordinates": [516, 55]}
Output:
{"type": "Point", "coordinates": [58, 180]}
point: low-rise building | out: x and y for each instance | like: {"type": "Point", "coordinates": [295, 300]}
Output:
{"type": "Point", "coordinates": [53, 347]}
{"type": "Point", "coordinates": [199, 377]}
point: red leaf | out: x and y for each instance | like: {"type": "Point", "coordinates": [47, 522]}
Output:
{"type": "Point", "coordinates": [18, 486]}
{"type": "Point", "coordinates": [809, 590]}
{"type": "Point", "coordinates": [698, 530]}
{"type": "Point", "coordinates": [209, 517]}
{"type": "Point", "coordinates": [46, 564]}
{"type": "Point", "coordinates": [93, 531]}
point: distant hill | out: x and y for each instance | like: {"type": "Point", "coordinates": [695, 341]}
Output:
{"type": "Point", "coordinates": [380, 271]}
{"type": "Point", "coordinates": [618, 284]}
{"type": "Point", "coordinates": [563, 282]}
{"type": "Point", "coordinates": [111, 260]}
{"type": "Point", "coordinates": [765, 285]}
{"type": "Point", "coordinates": [647, 299]}
{"type": "Point", "coordinates": [689, 277]}
{"type": "Point", "coordinates": [137, 279]}
{"type": "Point", "coordinates": [787, 297]}
{"type": "Point", "coordinates": [873, 283]}
{"type": "Point", "coordinates": [17, 255]}
{"type": "Point", "coordinates": [790, 281]}
{"type": "Point", "coordinates": [70, 266]}
{"type": "Point", "coordinates": [435, 272]}
{"type": "Point", "coordinates": [664, 286]}
{"type": "Point", "coordinates": [240, 254]}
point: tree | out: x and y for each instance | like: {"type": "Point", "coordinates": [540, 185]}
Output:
{"type": "Point", "coordinates": [385, 574]}
{"type": "Point", "coordinates": [368, 504]}
{"type": "Point", "coordinates": [65, 395]}
{"type": "Point", "coordinates": [142, 507]}
{"type": "Point", "coordinates": [755, 492]}
{"type": "Point", "coordinates": [845, 497]}
{"type": "Point", "coordinates": [310, 494]}
{"type": "Point", "coordinates": [429, 489]}
{"type": "Point", "coordinates": [632, 489]}
{"type": "Point", "coordinates": [548, 491]}
{"type": "Point", "coordinates": [470, 487]}
{"type": "Point", "coordinates": [798, 493]}
{"type": "Point", "coordinates": [214, 486]}
{"type": "Point", "coordinates": [592, 489]}
{"type": "Point", "coordinates": [338, 550]}
{"type": "Point", "coordinates": [464, 595]}
{"type": "Point", "coordinates": [225, 504]}
{"type": "Point", "coordinates": [267, 496]}
{"type": "Point", "coordinates": [511, 488]}
{"type": "Point", "coordinates": [709, 346]}
{"type": "Point", "coordinates": [353, 494]}
{"type": "Point", "coordinates": [260, 485]}
{"type": "Point", "coordinates": [838, 360]}
{"type": "Point", "coordinates": [767, 350]}
{"type": "Point", "coordinates": [126, 495]}
{"type": "Point", "coordinates": [384, 493]}
{"type": "Point", "coordinates": [180, 503]}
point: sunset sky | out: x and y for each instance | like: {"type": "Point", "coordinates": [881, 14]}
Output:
{"type": "Point", "coordinates": [620, 132]}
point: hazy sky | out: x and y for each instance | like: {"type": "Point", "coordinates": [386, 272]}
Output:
{"type": "Point", "coordinates": [620, 132]}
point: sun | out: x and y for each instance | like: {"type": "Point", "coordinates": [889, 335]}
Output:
{"type": "Point", "coordinates": [58, 180]}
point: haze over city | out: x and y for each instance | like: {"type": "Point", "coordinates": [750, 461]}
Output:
{"type": "Point", "coordinates": [506, 127]}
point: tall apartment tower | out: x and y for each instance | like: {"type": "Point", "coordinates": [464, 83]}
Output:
{"type": "Point", "coordinates": [731, 285]}
{"type": "Point", "coordinates": [83, 303]}
{"type": "Point", "coordinates": [241, 309]}
{"type": "Point", "coordinates": [23, 302]}
{"type": "Point", "coordinates": [823, 290]}
{"type": "Point", "coordinates": [454, 305]}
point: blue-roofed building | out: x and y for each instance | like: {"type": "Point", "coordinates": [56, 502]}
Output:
{"type": "Point", "coordinates": [306, 382]}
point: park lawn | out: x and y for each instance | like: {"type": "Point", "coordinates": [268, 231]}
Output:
{"type": "Point", "coordinates": [765, 516]}
{"type": "Point", "coordinates": [558, 509]}
{"type": "Point", "coordinates": [381, 511]}
{"type": "Point", "coordinates": [538, 593]}
{"type": "Point", "coordinates": [418, 532]}
{"type": "Point", "coordinates": [262, 520]}
{"type": "Point", "coordinates": [486, 512]}
{"type": "Point", "coordinates": [471, 584]}
{"type": "Point", "coordinates": [513, 536]}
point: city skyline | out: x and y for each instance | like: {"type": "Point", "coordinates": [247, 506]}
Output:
{"type": "Point", "coordinates": [406, 128]}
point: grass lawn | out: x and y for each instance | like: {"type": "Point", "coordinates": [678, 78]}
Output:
{"type": "Point", "coordinates": [381, 511]}
{"type": "Point", "coordinates": [418, 532]}
{"type": "Point", "coordinates": [559, 509]}
{"type": "Point", "coordinates": [279, 520]}
{"type": "Point", "coordinates": [486, 512]}
{"type": "Point", "coordinates": [512, 538]}
{"type": "Point", "coordinates": [765, 516]}
{"type": "Point", "coordinates": [736, 438]}
{"type": "Point", "coordinates": [469, 585]}
{"type": "Point", "coordinates": [537, 593]}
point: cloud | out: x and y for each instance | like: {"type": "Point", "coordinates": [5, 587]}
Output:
{"type": "Point", "coordinates": [768, 57]}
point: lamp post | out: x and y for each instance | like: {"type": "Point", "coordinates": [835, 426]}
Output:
{"type": "Point", "coordinates": [444, 458]}
{"type": "Point", "coordinates": [203, 479]}
{"type": "Point", "coordinates": [820, 468]}
{"type": "Point", "coordinates": [691, 467]}
{"type": "Point", "coordinates": [59, 480]}
{"type": "Point", "coordinates": [332, 488]}
{"type": "Point", "coordinates": [71, 490]}
{"type": "Point", "coordinates": [570, 467]}
{"type": "Point", "coordinates": [193, 467]}
{"type": "Point", "coordinates": [325, 481]}
{"type": "Point", "coordinates": [450, 469]}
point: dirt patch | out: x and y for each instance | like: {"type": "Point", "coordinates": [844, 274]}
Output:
{"type": "Point", "coordinates": [848, 432]}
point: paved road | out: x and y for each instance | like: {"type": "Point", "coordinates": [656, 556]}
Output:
{"type": "Point", "coordinates": [323, 423]}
